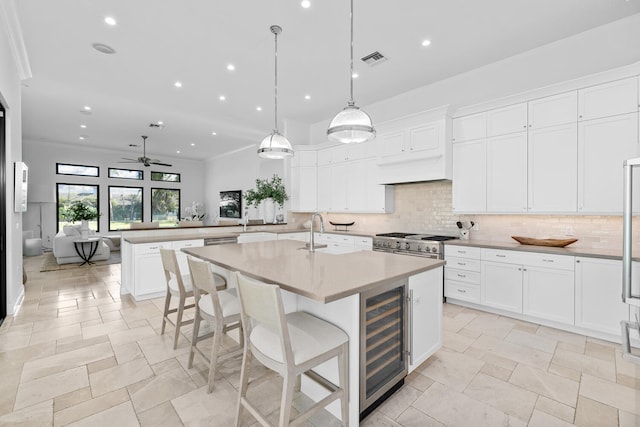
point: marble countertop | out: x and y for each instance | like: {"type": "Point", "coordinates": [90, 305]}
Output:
{"type": "Point", "coordinates": [585, 252]}
{"type": "Point", "coordinates": [320, 276]}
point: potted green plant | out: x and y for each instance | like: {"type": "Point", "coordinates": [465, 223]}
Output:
{"type": "Point", "coordinates": [83, 212]}
{"type": "Point", "coordinates": [270, 191]}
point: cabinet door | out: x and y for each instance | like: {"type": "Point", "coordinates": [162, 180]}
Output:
{"type": "Point", "coordinates": [426, 138]}
{"type": "Point", "coordinates": [149, 275]}
{"type": "Point", "coordinates": [469, 187]}
{"type": "Point", "coordinates": [181, 256]}
{"type": "Point", "coordinates": [553, 110]}
{"type": "Point", "coordinates": [501, 286]}
{"type": "Point", "coordinates": [392, 142]}
{"type": "Point", "coordinates": [324, 188]}
{"type": "Point", "coordinates": [603, 145]}
{"type": "Point", "coordinates": [507, 173]}
{"type": "Point", "coordinates": [425, 290]}
{"type": "Point", "coordinates": [553, 171]}
{"type": "Point", "coordinates": [375, 194]}
{"type": "Point", "coordinates": [304, 189]}
{"type": "Point", "coordinates": [356, 184]}
{"type": "Point", "coordinates": [599, 305]}
{"type": "Point", "coordinates": [471, 127]}
{"type": "Point", "coordinates": [549, 294]}
{"type": "Point", "coordinates": [324, 157]}
{"type": "Point", "coordinates": [507, 120]}
{"type": "Point", "coordinates": [339, 185]}
{"type": "Point", "coordinates": [608, 99]}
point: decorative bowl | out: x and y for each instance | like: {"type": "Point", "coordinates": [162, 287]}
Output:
{"type": "Point", "coordinates": [556, 243]}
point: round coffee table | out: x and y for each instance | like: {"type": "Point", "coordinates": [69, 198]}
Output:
{"type": "Point", "coordinates": [86, 248]}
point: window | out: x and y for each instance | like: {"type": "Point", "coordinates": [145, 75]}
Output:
{"type": "Point", "coordinates": [80, 170]}
{"type": "Point", "coordinates": [66, 194]}
{"type": "Point", "coordinates": [165, 176]}
{"type": "Point", "coordinates": [125, 173]}
{"type": "Point", "coordinates": [165, 206]}
{"type": "Point", "coordinates": [125, 207]}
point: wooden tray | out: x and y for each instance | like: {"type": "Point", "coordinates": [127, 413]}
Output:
{"type": "Point", "coordinates": [556, 243]}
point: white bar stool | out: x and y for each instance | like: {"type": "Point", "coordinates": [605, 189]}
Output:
{"type": "Point", "coordinates": [290, 345]}
{"type": "Point", "coordinates": [219, 307]}
{"type": "Point", "coordinates": [178, 285]}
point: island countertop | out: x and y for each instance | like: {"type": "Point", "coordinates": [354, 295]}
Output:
{"type": "Point", "coordinates": [320, 276]}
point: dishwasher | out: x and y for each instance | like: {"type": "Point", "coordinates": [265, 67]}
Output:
{"type": "Point", "coordinates": [220, 240]}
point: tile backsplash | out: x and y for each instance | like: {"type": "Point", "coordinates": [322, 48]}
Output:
{"type": "Point", "coordinates": [425, 207]}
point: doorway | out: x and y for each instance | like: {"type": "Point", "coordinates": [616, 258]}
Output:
{"type": "Point", "coordinates": [3, 218]}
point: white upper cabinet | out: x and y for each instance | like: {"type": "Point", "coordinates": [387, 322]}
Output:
{"type": "Point", "coordinates": [507, 173]}
{"type": "Point", "coordinates": [471, 127]}
{"type": "Point", "coordinates": [603, 144]}
{"type": "Point", "coordinates": [391, 142]}
{"type": "Point", "coordinates": [304, 158]}
{"type": "Point", "coordinates": [304, 181]}
{"type": "Point", "coordinates": [609, 99]}
{"type": "Point", "coordinates": [553, 169]}
{"type": "Point", "coordinates": [507, 120]}
{"type": "Point", "coordinates": [469, 186]}
{"type": "Point", "coordinates": [553, 110]}
{"type": "Point", "coordinates": [324, 188]}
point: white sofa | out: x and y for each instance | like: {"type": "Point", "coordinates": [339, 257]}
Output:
{"type": "Point", "coordinates": [65, 251]}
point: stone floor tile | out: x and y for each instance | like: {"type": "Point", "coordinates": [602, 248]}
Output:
{"type": "Point", "coordinates": [120, 376]}
{"type": "Point", "coordinates": [562, 336]}
{"type": "Point", "coordinates": [103, 328]}
{"type": "Point", "coordinates": [399, 402]}
{"type": "Point", "coordinates": [98, 366]}
{"type": "Point", "coordinates": [162, 415]}
{"type": "Point", "coordinates": [122, 415]}
{"type": "Point", "coordinates": [612, 394]}
{"type": "Point", "coordinates": [160, 388]}
{"type": "Point", "coordinates": [498, 327]}
{"type": "Point", "coordinates": [90, 407]}
{"type": "Point", "coordinates": [62, 361]}
{"type": "Point", "coordinates": [131, 335]}
{"type": "Point", "coordinates": [563, 371]}
{"type": "Point", "coordinates": [585, 364]}
{"type": "Point", "coordinates": [40, 414]}
{"type": "Point", "coordinates": [418, 381]}
{"type": "Point", "coordinates": [196, 406]}
{"type": "Point", "coordinates": [590, 413]}
{"type": "Point", "coordinates": [542, 419]}
{"type": "Point", "coordinates": [379, 420]}
{"type": "Point", "coordinates": [414, 418]}
{"type": "Point", "coordinates": [555, 408]}
{"type": "Point", "coordinates": [70, 399]}
{"type": "Point", "coordinates": [552, 386]}
{"type": "Point", "coordinates": [627, 419]}
{"type": "Point", "coordinates": [503, 396]}
{"type": "Point", "coordinates": [452, 369]}
{"type": "Point", "coordinates": [45, 388]}
{"type": "Point", "coordinates": [599, 351]}
{"type": "Point", "coordinates": [127, 352]}
{"type": "Point", "coordinates": [55, 333]}
{"type": "Point", "coordinates": [456, 342]}
{"type": "Point", "coordinates": [538, 342]}
{"type": "Point", "coordinates": [63, 347]}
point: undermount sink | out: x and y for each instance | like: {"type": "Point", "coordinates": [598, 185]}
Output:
{"type": "Point", "coordinates": [316, 246]}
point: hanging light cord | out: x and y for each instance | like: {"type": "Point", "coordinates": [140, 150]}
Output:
{"type": "Point", "coordinates": [275, 117]}
{"type": "Point", "coordinates": [351, 101]}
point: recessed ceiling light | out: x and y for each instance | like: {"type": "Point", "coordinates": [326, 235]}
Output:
{"type": "Point", "coordinates": [307, 97]}
{"type": "Point", "coordinates": [214, 133]}
{"type": "Point", "coordinates": [86, 108]}
{"type": "Point", "coordinates": [354, 75]}
{"type": "Point", "coordinates": [82, 138]}
{"type": "Point", "coordinates": [160, 122]}
{"type": "Point", "coordinates": [231, 67]}
{"type": "Point", "coordinates": [258, 108]}
{"type": "Point", "coordinates": [305, 3]}
{"type": "Point", "coordinates": [83, 126]}
{"type": "Point", "coordinates": [103, 48]}
{"type": "Point", "coordinates": [178, 151]}
{"type": "Point", "coordinates": [193, 145]}
{"type": "Point", "coordinates": [222, 98]}
{"type": "Point", "coordinates": [426, 42]}
{"type": "Point", "coordinates": [178, 84]}
{"type": "Point", "coordinates": [110, 20]}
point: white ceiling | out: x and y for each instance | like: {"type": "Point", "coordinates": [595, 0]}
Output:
{"type": "Point", "coordinates": [159, 42]}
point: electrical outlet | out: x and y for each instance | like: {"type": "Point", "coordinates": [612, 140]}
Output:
{"type": "Point", "coordinates": [567, 231]}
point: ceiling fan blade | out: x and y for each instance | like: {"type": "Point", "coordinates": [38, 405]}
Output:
{"type": "Point", "coordinates": [160, 164]}
{"type": "Point", "coordinates": [132, 160]}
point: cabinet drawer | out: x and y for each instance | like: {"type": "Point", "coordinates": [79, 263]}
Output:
{"type": "Point", "coordinates": [363, 241]}
{"type": "Point", "coordinates": [561, 262]}
{"type": "Point", "coordinates": [462, 291]}
{"type": "Point", "coordinates": [463, 264]}
{"type": "Point", "coordinates": [151, 248]}
{"type": "Point", "coordinates": [462, 275]}
{"type": "Point", "coordinates": [500, 255]}
{"type": "Point", "coordinates": [462, 251]}
{"type": "Point", "coordinates": [179, 244]}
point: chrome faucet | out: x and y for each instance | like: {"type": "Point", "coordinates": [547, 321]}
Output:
{"type": "Point", "coordinates": [312, 247]}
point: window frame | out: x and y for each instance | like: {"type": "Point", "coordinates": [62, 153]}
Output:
{"type": "Point", "coordinates": [166, 173]}
{"type": "Point", "coordinates": [122, 177]}
{"type": "Point", "coordinates": [97, 187]}
{"type": "Point", "coordinates": [97, 168]}
{"type": "Point", "coordinates": [166, 189]}
{"type": "Point", "coordinates": [109, 201]}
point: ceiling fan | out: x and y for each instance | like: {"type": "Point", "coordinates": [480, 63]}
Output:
{"type": "Point", "coordinates": [144, 159]}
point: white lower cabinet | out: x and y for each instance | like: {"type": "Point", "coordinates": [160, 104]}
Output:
{"type": "Point", "coordinates": [501, 286]}
{"type": "Point", "coordinates": [462, 273]}
{"type": "Point", "coordinates": [302, 236]}
{"type": "Point", "coordinates": [257, 237]}
{"type": "Point", "coordinates": [549, 294]}
{"type": "Point", "coordinates": [599, 305]}
{"type": "Point", "coordinates": [425, 299]}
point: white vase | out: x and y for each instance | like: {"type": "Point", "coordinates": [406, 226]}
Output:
{"type": "Point", "coordinates": [269, 211]}
{"type": "Point", "coordinates": [84, 229]}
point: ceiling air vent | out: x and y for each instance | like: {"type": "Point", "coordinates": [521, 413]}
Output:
{"type": "Point", "coordinates": [374, 58]}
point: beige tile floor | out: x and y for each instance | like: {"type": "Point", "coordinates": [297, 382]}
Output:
{"type": "Point", "coordinates": [78, 354]}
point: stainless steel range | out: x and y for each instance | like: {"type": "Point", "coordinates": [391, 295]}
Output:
{"type": "Point", "coordinates": [424, 245]}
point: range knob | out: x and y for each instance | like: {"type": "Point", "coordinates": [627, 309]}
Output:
{"type": "Point", "coordinates": [434, 249]}
{"type": "Point", "coordinates": [407, 246]}
{"type": "Point", "coordinates": [418, 248]}
{"type": "Point", "coordinates": [397, 245]}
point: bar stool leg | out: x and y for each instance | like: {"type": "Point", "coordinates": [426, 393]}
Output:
{"type": "Point", "coordinates": [167, 302]}
{"type": "Point", "coordinates": [215, 349]}
{"type": "Point", "coordinates": [343, 375]}
{"type": "Point", "coordinates": [289, 383]}
{"type": "Point", "coordinates": [178, 321]}
{"type": "Point", "coordinates": [194, 338]}
{"type": "Point", "coordinates": [244, 382]}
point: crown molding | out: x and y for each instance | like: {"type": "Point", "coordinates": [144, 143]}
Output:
{"type": "Point", "coordinates": [10, 21]}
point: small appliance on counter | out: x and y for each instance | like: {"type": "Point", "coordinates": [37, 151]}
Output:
{"type": "Point", "coordinates": [464, 230]}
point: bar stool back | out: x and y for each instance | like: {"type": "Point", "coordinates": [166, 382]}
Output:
{"type": "Point", "coordinates": [178, 285]}
{"type": "Point", "coordinates": [290, 345]}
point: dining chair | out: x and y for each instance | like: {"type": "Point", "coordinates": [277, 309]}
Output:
{"type": "Point", "coordinates": [290, 345]}
{"type": "Point", "coordinates": [179, 286]}
{"type": "Point", "coordinates": [219, 307]}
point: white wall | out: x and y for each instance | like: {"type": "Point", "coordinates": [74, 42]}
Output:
{"type": "Point", "coordinates": [42, 156]}
{"type": "Point", "coordinates": [603, 48]}
{"type": "Point", "coordinates": [10, 97]}
{"type": "Point", "coordinates": [239, 170]}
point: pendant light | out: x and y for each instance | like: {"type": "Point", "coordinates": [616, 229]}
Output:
{"type": "Point", "coordinates": [351, 125]}
{"type": "Point", "coordinates": [274, 145]}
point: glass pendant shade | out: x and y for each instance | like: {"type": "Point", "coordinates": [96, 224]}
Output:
{"type": "Point", "coordinates": [351, 125]}
{"type": "Point", "coordinates": [275, 146]}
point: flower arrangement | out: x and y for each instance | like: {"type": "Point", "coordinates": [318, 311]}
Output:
{"type": "Point", "coordinates": [80, 211]}
{"type": "Point", "coordinates": [267, 188]}
{"type": "Point", "coordinates": [194, 212]}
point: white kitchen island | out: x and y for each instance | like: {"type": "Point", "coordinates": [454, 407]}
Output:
{"type": "Point", "coordinates": [330, 286]}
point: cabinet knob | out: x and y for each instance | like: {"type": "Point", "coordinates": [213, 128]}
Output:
{"type": "Point", "coordinates": [525, 126]}
{"type": "Point", "coordinates": [462, 291]}
{"type": "Point", "coordinates": [578, 261]}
